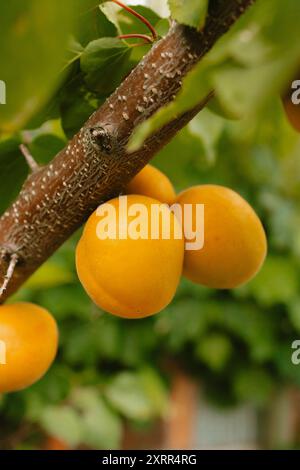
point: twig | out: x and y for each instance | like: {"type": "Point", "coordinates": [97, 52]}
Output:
{"type": "Point", "coordinates": [33, 165]}
{"type": "Point", "coordinates": [9, 273]}
{"type": "Point", "coordinates": [140, 17]}
{"type": "Point", "coordinates": [146, 38]}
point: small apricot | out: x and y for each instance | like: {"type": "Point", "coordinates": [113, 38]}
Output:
{"type": "Point", "coordinates": [235, 243]}
{"type": "Point", "coordinates": [131, 277]}
{"type": "Point", "coordinates": [29, 337]}
{"type": "Point", "coordinates": [153, 183]}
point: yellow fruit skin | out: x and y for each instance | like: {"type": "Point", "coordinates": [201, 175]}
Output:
{"type": "Point", "coordinates": [151, 182]}
{"type": "Point", "coordinates": [130, 278]}
{"type": "Point", "coordinates": [30, 335]}
{"type": "Point", "coordinates": [235, 243]}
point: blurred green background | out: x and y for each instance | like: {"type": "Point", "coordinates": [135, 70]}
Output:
{"type": "Point", "coordinates": [113, 376]}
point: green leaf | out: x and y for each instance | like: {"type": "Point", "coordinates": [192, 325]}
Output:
{"type": "Point", "coordinates": [207, 127]}
{"type": "Point", "coordinates": [64, 423]}
{"type": "Point", "coordinates": [33, 42]}
{"type": "Point", "coordinates": [189, 12]}
{"type": "Point", "coordinates": [132, 395]}
{"type": "Point", "coordinates": [13, 171]}
{"type": "Point", "coordinates": [103, 62]}
{"type": "Point", "coordinates": [101, 427]}
{"type": "Point", "coordinates": [93, 23]}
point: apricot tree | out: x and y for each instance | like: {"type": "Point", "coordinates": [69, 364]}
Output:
{"type": "Point", "coordinates": [96, 164]}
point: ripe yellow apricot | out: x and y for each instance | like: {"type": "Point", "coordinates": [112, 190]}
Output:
{"type": "Point", "coordinates": [235, 243]}
{"type": "Point", "coordinates": [130, 278]}
{"type": "Point", "coordinates": [29, 337]}
{"type": "Point", "coordinates": [292, 112]}
{"type": "Point", "coordinates": [153, 183]}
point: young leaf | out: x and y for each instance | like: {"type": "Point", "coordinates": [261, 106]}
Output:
{"type": "Point", "coordinates": [94, 24]}
{"type": "Point", "coordinates": [189, 12]}
{"type": "Point", "coordinates": [103, 63]}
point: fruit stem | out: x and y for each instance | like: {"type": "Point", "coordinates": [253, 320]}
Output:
{"type": "Point", "coordinates": [140, 17]}
{"type": "Point", "coordinates": [9, 273]}
{"type": "Point", "coordinates": [33, 165]}
{"type": "Point", "coordinates": [147, 39]}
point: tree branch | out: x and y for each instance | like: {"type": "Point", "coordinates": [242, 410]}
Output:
{"type": "Point", "coordinates": [95, 166]}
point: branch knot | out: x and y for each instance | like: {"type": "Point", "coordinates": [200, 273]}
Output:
{"type": "Point", "coordinates": [101, 140]}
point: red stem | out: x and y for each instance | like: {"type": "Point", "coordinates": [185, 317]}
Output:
{"type": "Point", "coordinates": [140, 17]}
{"type": "Point", "coordinates": [146, 38]}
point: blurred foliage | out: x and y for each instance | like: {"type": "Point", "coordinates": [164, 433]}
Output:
{"type": "Point", "coordinates": [238, 343]}
{"type": "Point", "coordinates": [28, 40]}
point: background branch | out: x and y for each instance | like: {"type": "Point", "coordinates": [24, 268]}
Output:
{"type": "Point", "coordinates": [95, 166]}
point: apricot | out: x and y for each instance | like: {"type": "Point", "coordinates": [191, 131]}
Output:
{"type": "Point", "coordinates": [292, 112]}
{"type": "Point", "coordinates": [153, 183]}
{"type": "Point", "coordinates": [29, 336]}
{"type": "Point", "coordinates": [235, 243]}
{"type": "Point", "coordinates": [130, 277]}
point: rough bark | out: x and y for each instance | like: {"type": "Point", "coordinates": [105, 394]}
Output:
{"type": "Point", "coordinates": [95, 166]}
